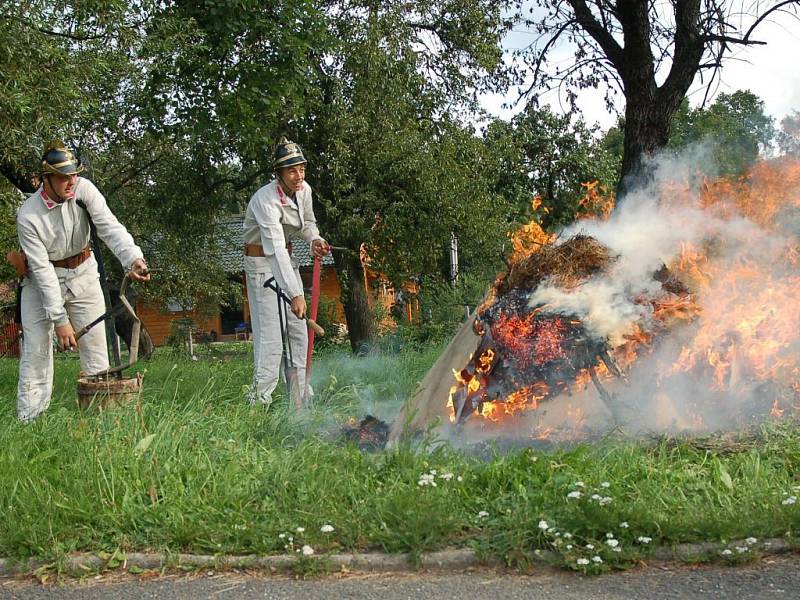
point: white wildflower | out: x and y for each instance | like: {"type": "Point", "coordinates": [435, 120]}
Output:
{"type": "Point", "coordinates": [483, 514]}
{"type": "Point", "coordinates": [742, 549]}
{"type": "Point", "coordinates": [568, 536]}
{"type": "Point", "coordinates": [569, 546]}
{"type": "Point", "coordinates": [582, 561]}
{"type": "Point", "coordinates": [605, 484]}
{"type": "Point", "coordinates": [282, 535]}
{"type": "Point", "coordinates": [643, 539]}
{"type": "Point", "coordinates": [726, 552]}
{"type": "Point", "coordinates": [596, 497]}
{"type": "Point", "coordinates": [610, 536]}
{"type": "Point", "coordinates": [433, 471]}
{"type": "Point", "coordinates": [605, 500]}
{"type": "Point", "coordinates": [300, 529]}
{"type": "Point", "coordinates": [750, 541]}
{"type": "Point", "coordinates": [612, 543]}
{"type": "Point", "coordinates": [597, 559]}
{"type": "Point", "coordinates": [446, 476]}
{"type": "Point", "coordinates": [580, 484]}
{"type": "Point", "coordinates": [590, 546]}
{"type": "Point", "coordinates": [326, 528]}
{"type": "Point", "coordinates": [543, 525]}
{"type": "Point", "coordinates": [789, 500]}
{"type": "Point", "coordinates": [307, 550]}
{"type": "Point", "coordinates": [617, 549]}
{"type": "Point", "coordinates": [459, 478]}
{"type": "Point", "coordinates": [624, 525]}
{"type": "Point", "coordinates": [575, 494]}
{"type": "Point", "coordinates": [426, 479]}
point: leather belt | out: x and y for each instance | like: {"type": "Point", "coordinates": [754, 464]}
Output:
{"type": "Point", "coordinates": [258, 249]}
{"type": "Point", "coordinates": [72, 262]}
{"type": "Point", "coordinates": [254, 250]}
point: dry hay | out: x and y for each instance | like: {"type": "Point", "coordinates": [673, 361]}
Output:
{"type": "Point", "coordinates": [565, 264]}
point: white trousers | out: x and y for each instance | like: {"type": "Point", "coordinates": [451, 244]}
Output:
{"type": "Point", "coordinates": [268, 354]}
{"type": "Point", "coordinates": [35, 385]}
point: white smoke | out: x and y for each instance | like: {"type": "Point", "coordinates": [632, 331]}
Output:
{"type": "Point", "coordinates": [646, 232]}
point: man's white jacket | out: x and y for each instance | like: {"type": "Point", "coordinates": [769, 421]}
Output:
{"type": "Point", "coordinates": [50, 231]}
{"type": "Point", "coordinates": [271, 220]}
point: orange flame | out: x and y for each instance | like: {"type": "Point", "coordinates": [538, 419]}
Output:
{"type": "Point", "coordinates": [744, 316]}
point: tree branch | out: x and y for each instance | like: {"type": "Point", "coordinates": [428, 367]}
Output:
{"type": "Point", "coordinates": [21, 181]}
{"type": "Point", "coordinates": [731, 40]}
{"type": "Point", "coordinates": [775, 8]}
{"type": "Point", "coordinates": [586, 20]}
{"type": "Point", "coordinates": [70, 36]}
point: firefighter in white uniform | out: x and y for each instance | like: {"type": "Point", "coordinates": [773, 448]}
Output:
{"type": "Point", "coordinates": [277, 213]}
{"type": "Point", "coordinates": [61, 288]}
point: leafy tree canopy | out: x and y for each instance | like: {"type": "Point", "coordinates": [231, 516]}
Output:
{"type": "Point", "coordinates": [548, 156]}
{"type": "Point", "coordinates": [736, 126]}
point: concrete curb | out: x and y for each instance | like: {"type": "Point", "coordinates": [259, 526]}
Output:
{"type": "Point", "coordinates": [449, 560]}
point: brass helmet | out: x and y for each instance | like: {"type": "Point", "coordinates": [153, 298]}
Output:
{"type": "Point", "coordinates": [287, 154]}
{"type": "Point", "coordinates": [60, 160]}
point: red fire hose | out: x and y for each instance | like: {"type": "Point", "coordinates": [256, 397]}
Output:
{"type": "Point", "coordinates": [315, 277]}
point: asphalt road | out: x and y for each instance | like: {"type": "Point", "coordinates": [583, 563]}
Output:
{"type": "Point", "coordinates": [771, 578]}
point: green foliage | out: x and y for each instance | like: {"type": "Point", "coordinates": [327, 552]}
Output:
{"type": "Point", "coordinates": [329, 319]}
{"type": "Point", "coordinates": [57, 61]}
{"type": "Point", "coordinates": [176, 106]}
{"type": "Point", "coordinates": [442, 309]}
{"type": "Point", "coordinates": [9, 199]}
{"type": "Point", "coordinates": [548, 156]}
{"type": "Point", "coordinates": [178, 337]}
{"type": "Point", "coordinates": [395, 169]}
{"type": "Point", "coordinates": [736, 126]}
{"type": "Point", "coordinates": [789, 134]}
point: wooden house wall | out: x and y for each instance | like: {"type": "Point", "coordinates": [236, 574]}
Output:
{"type": "Point", "coordinates": [158, 322]}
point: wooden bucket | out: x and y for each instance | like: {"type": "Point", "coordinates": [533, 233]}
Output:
{"type": "Point", "coordinates": [108, 391]}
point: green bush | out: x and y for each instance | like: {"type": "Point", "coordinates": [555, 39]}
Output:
{"type": "Point", "coordinates": [443, 308]}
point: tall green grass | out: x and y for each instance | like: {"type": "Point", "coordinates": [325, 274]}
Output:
{"type": "Point", "coordinates": [191, 467]}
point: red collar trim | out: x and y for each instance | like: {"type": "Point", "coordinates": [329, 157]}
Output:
{"type": "Point", "coordinates": [46, 199]}
{"type": "Point", "coordinates": [51, 204]}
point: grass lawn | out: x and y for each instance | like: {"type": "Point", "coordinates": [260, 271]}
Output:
{"type": "Point", "coordinates": [192, 467]}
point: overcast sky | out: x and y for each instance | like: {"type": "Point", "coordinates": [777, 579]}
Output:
{"type": "Point", "coordinates": [772, 72]}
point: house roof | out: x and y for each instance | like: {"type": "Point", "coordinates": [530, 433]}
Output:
{"type": "Point", "coordinates": [232, 245]}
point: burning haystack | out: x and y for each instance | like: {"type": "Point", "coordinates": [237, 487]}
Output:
{"type": "Point", "coordinates": [681, 312]}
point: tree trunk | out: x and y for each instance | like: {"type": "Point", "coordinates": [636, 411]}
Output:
{"type": "Point", "coordinates": [360, 325]}
{"type": "Point", "coordinates": [647, 129]}
{"type": "Point", "coordinates": [649, 116]}
{"type": "Point", "coordinates": [22, 181]}
{"type": "Point", "coordinates": [649, 108]}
